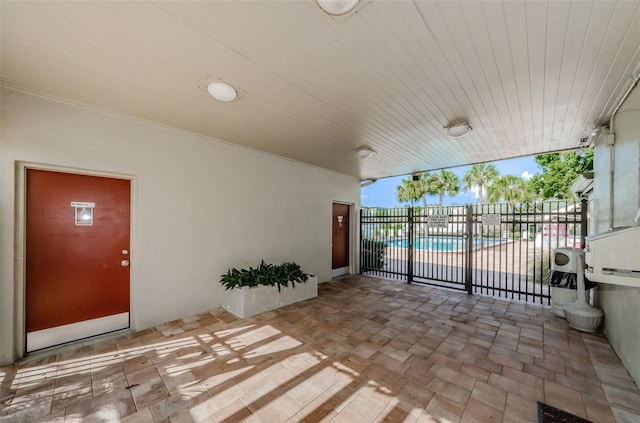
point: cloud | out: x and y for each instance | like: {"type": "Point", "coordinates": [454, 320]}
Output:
{"type": "Point", "coordinates": [526, 175]}
{"type": "Point", "coordinates": [476, 191]}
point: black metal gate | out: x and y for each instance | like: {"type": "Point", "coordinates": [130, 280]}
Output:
{"type": "Point", "coordinates": [500, 250]}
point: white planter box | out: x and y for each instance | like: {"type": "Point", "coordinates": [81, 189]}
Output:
{"type": "Point", "coordinates": [246, 302]}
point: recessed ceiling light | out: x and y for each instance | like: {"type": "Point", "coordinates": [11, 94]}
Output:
{"type": "Point", "coordinates": [337, 7]}
{"type": "Point", "coordinates": [222, 92]}
{"type": "Point", "coordinates": [458, 130]}
{"type": "Point", "coordinates": [365, 152]}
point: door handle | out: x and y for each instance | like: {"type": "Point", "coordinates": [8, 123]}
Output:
{"type": "Point", "coordinates": [124, 263]}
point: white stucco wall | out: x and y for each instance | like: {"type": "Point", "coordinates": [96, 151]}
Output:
{"type": "Point", "coordinates": [621, 304]}
{"type": "Point", "coordinates": [200, 206]}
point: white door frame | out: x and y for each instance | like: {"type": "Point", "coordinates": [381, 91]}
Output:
{"type": "Point", "coordinates": [20, 341]}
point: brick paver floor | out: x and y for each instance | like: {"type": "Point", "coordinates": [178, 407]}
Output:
{"type": "Point", "coordinates": [365, 350]}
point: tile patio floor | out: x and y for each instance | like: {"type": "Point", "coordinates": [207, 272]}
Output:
{"type": "Point", "coordinates": [365, 350]}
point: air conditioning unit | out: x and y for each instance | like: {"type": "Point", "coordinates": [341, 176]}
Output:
{"type": "Point", "coordinates": [614, 256]}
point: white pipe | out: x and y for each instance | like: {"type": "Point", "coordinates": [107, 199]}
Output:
{"type": "Point", "coordinates": [634, 81]}
{"type": "Point", "coordinates": [612, 162]}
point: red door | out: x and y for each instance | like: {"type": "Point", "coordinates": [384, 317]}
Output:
{"type": "Point", "coordinates": [340, 250]}
{"type": "Point", "coordinates": [77, 252]}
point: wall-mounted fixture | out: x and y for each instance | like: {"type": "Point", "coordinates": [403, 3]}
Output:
{"type": "Point", "coordinates": [337, 7]}
{"type": "Point", "coordinates": [583, 185]}
{"type": "Point", "coordinates": [222, 91]}
{"type": "Point", "coordinates": [365, 152]}
{"type": "Point", "coordinates": [458, 130]}
{"type": "Point", "coordinates": [587, 141]}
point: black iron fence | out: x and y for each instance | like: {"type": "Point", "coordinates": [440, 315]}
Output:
{"type": "Point", "coordinates": [497, 249]}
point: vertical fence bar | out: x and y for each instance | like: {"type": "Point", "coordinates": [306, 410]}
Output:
{"type": "Point", "coordinates": [468, 251]}
{"type": "Point", "coordinates": [493, 249]}
{"type": "Point", "coordinates": [513, 251]}
{"type": "Point", "coordinates": [583, 223]}
{"type": "Point", "coordinates": [361, 231]}
{"type": "Point", "coordinates": [476, 262]}
{"type": "Point", "coordinates": [519, 254]}
{"type": "Point", "coordinates": [483, 243]}
{"type": "Point", "coordinates": [527, 230]}
{"type": "Point", "coordinates": [396, 251]}
{"type": "Point", "coordinates": [535, 250]}
{"type": "Point", "coordinates": [410, 246]}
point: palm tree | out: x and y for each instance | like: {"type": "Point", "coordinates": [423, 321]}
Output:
{"type": "Point", "coordinates": [409, 191]}
{"type": "Point", "coordinates": [510, 188]}
{"type": "Point", "coordinates": [481, 175]}
{"type": "Point", "coordinates": [445, 182]}
{"type": "Point", "coordinates": [413, 190]}
{"type": "Point", "coordinates": [424, 185]}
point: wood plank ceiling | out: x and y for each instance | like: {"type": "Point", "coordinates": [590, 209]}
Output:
{"type": "Point", "coordinates": [530, 76]}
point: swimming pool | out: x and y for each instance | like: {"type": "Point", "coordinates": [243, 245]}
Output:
{"type": "Point", "coordinates": [448, 244]}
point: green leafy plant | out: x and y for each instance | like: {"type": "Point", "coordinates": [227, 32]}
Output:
{"type": "Point", "coordinates": [373, 253]}
{"type": "Point", "coordinates": [265, 274]}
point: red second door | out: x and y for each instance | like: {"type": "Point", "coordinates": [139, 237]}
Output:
{"type": "Point", "coordinates": [340, 240]}
{"type": "Point", "coordinates": [77, 256]}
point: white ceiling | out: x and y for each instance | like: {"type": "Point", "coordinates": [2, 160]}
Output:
{"type": "Point", "coordinates": [530, 76]}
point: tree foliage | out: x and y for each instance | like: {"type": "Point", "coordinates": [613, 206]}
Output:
{"type": "Point", "coordinates": [559, 171]}
{"type": "Point", "coordinates": [445, 182]}
{"type": "Point", "coordinates": [411, 191]}
{"type": "Point", "coordinates": [481, 175]}
{"type": "Point", "coordinates": [511, 189]}
{"type": "Point", "coordinates": [424, 185]}
{"type": "Point", "coordinates": [408, 191]}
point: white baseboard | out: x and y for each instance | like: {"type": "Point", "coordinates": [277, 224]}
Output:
{"type": "Point", "coordinates": [72, 332]}
{"type": "Point", "coordinates": [339, 271]}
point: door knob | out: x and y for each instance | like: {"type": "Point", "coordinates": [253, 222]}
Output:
{"type": "Point", "coordinates": [125, 252]}
{"type": "Point", "coordinates": [124, 263]}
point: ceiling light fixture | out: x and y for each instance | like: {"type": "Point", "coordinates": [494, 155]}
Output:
{"type": "Point", "coordinates": [337, 7]}
{"type": "Point", "coordinates": [222, 91]}
{"type": "Point", "coordinates": [365, 152]}
{"type": "Point", "coordinates": [459, 129]}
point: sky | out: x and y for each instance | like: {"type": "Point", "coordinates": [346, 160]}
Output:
{"type": "Point", "coordinates": [383, 192]}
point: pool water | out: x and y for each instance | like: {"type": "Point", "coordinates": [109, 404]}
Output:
{"type": "Point", "coordinates": [447, 244]}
